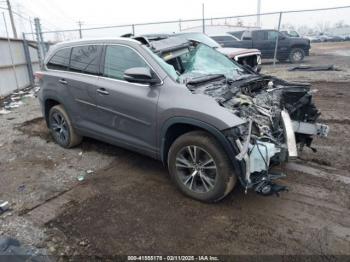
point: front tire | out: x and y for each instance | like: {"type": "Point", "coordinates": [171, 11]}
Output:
{"type": "Point", "coordinates": [296, 55]}
{"type": "Point", "coordinates": [61, 128]}
{"type": "Point", "coordinates": [200, 168]}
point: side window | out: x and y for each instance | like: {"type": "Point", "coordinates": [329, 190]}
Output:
{"type": "Point", "coordinates": [247, 35]}
{"type": "Point", "coordinates": [260, 35]}
{"type": "Point", "coordinates": [85, 59]}
{"type": "Point", "coordinates": [60, 60]}
{"type": "Point", "coordinates": [224, 38]}
{"type": "Point", "coordinates": [120, 58]}
{"type": "Point", "coordinates": [272, 35]}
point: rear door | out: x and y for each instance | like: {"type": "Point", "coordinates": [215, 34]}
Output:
{"type": "Point", "coordinates": [127, 110]}
{"type": "Point", "coordinates": [83, 73]}
{"type": "Point", "coordinates": [262, 42]}
{"type": "Point", "coordinates": [265, 41]}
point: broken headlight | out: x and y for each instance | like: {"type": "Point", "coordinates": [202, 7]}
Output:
{"type": "Point", "coordinates": [240, 131]}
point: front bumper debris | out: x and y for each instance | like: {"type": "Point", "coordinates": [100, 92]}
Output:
{"type": "Point", "coordinates": [257, 155]}
{"type": "Point", "coordinates": [311, 129]}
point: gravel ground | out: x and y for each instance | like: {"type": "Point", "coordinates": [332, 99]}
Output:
{"type": "Point", "coordinates": [127, 204]}
{"type": "Point", "coordinates": [329, 53]}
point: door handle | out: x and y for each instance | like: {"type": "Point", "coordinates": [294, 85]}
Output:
{"type": "Point", "coordinates": [62, 81]}
{"type": "Point", "coordinates": [102, 91]}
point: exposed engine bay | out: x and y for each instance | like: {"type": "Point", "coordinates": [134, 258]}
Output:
{"type": "Point", "coordinates": [280, 115]}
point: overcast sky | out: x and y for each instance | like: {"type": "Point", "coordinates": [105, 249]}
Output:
{"type": "Point", "coordinates": [64, 14]}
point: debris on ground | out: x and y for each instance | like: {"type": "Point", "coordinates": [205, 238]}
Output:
{"type": "Point", "coordinates": [82, 176]}
{"type": "Point", "coordinates": [4, 206]}
{"type": "Point", "coordinates": [15, 99]}
{"type": "Point", "coordinates": [314, 68]}
{"type": "Point", "coordinates": [4, 111]}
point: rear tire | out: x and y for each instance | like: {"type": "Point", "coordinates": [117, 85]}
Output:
{"type": "Point", "coordinates": [61, 128]}
{"type": "Point", "coordinates": [296, 55]}
{"type": "Point", "coordinates": [191, 161]}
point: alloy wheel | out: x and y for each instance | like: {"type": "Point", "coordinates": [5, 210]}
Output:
{"type": "Point", "coordinates": [196, 169]}
{"type": "Point", "coordinates": [59, 128]}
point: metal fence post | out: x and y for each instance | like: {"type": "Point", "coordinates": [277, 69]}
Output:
{"type": "Point", "coordinates": [277, 38]}
{"type": "Point", "coordinates": [133, 29]}
{"type": "Point", "coordinates": [28, 60]}
{"type": "Point", "coordinates": [180, 25]}
{"type": "Point", "coordinates": [38, 40]}
{"type": "Point", "coordinates": [203, 20]}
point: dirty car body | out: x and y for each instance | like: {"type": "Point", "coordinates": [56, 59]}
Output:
{"type": "Point", "coordinates": [177, 100]}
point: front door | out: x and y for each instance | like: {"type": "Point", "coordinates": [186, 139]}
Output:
{"type": "Point", "coordinates": [127, 110]}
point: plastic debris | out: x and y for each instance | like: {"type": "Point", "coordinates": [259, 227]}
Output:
{"type": "Point", "coordinates": [81, 178]}
{"type": "Point", "coordinates": [21, 188]}
{"type": "Point", "coordinates": [4, 206]}
{"type": "Point", "coordinates": [89, 171]}
{"type": "Point", "coordinates": [314, 68]}
{"type": "Point", "coordinates": [4, 111]}
{"type": "Point", "coordinates": [81, 153]}
{"type": "Point", "coordinates": [13, 105]}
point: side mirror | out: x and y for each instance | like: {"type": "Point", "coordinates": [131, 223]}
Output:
{"type": "Point", "coordinates": [140, 75]}
{"type": "Point", "coordinates": [282, 37]}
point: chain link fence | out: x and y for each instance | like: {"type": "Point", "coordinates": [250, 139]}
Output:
{"type": "Point", "coordinates": [318, 25]}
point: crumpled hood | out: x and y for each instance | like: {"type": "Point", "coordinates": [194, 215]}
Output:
{"type": "Point", "coordinates": [232, 52]}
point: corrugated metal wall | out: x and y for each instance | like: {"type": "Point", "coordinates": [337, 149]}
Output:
{"type": "Point", "coordinates": [8, 74]}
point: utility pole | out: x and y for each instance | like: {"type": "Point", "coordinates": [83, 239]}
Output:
{"type": "Point", "coordinates": [11, 18]}
{"type": "Point", "coordinates": [80, 23]}
{"type": "Point", "coordinates": [10, 51]}
{"type": "Point", "coordinates": [258, 13]}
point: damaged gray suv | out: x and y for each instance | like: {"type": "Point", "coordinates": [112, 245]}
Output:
{"type": "Point", "coordinates": [208, 119]}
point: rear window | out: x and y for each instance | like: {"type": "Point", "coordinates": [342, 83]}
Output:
{"type": "Point", "coordinates": [223, 38]}
{"type": "Point", "coordinates": [85, 59]}
{"type": "Point", "coordinates": [60, 60]}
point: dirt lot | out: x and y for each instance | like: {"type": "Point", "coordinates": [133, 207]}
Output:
{"type": "Point", "coordinates": [126, 203]}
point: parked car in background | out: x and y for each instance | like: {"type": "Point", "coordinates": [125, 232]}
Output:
{"type": "Point", "coordinates": [244, 56]}
{"type": "Point", "coordinates": [326, 38]}
{"type": "Point", "coordinates": [293, 49]}
{"type": "Point", "coordinates": [209, 120]}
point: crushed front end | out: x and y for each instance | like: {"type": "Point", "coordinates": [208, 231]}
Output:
{"type": "Point", "coordinates": [281, 119]}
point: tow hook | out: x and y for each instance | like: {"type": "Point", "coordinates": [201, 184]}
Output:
{"type": "Point", "coordinates": [267, 188]}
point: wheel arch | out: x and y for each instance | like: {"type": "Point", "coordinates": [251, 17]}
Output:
{"type": "Point", "coordinates": [177, 126]}
{"type": "Point", "coordinates": [301, 46]}
{"type": "Point", "coordinates": [50, 102]}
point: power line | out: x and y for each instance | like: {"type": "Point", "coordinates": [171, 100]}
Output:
{"type": "Point", "coordinates": [32, 13]}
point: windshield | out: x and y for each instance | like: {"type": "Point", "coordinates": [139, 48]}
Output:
{"type": "Point", "coordinates": [204, 60]}
{"type": "Point", "coordinates": [199, 60]}
{"type": "Point", "coordinates": [166, 67]}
